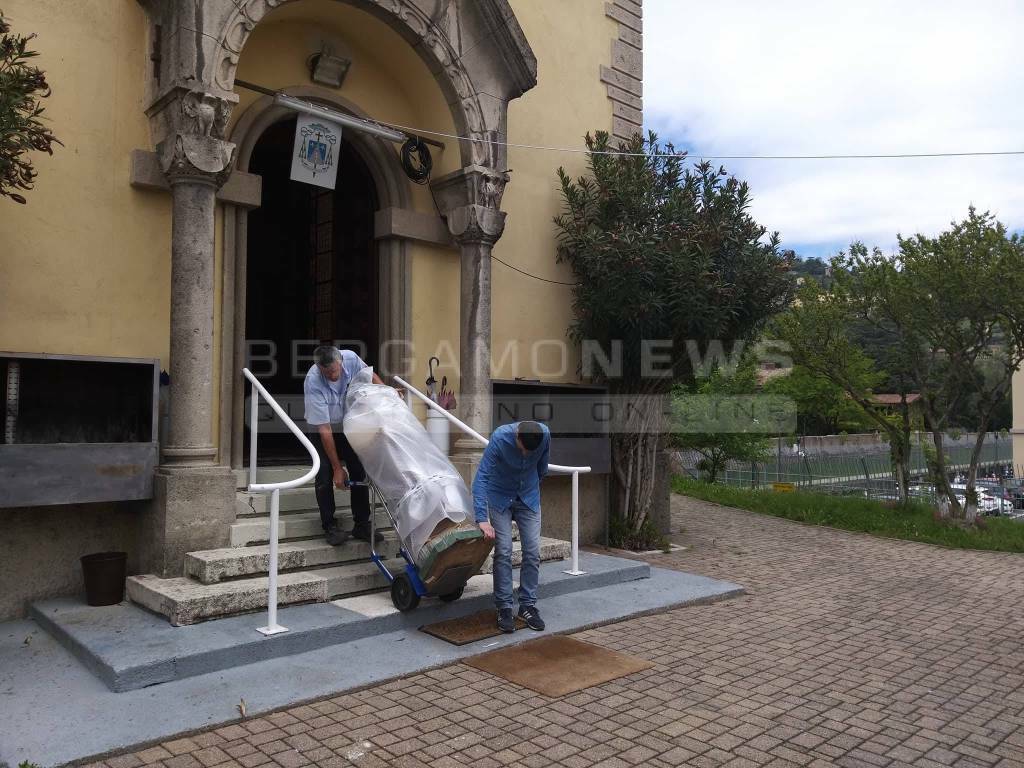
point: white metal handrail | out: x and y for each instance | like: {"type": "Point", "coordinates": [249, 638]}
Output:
{"type": "Point", "coordinates": [273, 628]}
{"type": "Point", "coordinates": [558, 468]}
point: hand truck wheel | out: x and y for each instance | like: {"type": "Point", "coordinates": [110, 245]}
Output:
{"type": "Point", "coordinates": [402, 593]}
{"type": "Point", "coordinates": [451, 597]}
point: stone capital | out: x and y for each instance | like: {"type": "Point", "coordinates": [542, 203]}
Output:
{"type": "Point", "coordinates": [475, 224]}
{"type": "Point", "coordinates": [471, 185]}
{"type": "Point", "coordinates": [188, 124]}
{"type": "Point", "coordinates": [187, 158]}
{"type": "Point", "coordinates": [191, 110]}
{"type": "Point", "coordinates": [470, 200]}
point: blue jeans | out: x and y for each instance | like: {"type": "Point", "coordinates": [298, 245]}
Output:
{"type": "Point", "coordinates": [529, 535]}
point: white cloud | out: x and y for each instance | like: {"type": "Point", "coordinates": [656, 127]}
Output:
{"type": "Point", "coordinates": [829, 77]}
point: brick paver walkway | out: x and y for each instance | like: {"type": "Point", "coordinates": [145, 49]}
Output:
{"type": "Point", "coordinates": [847, 650]}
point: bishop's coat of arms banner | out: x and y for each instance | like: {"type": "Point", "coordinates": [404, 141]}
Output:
{"type": "Point", "coordinates": [315, 157]}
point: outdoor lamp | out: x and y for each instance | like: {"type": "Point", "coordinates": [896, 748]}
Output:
{"type": "Point", "coordinates": [327, 69]}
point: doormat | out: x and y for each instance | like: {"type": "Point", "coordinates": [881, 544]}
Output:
{"type": "Point", "coordinates": [557, 665]}
{"type": "Point", "coordinates": [468, 629]}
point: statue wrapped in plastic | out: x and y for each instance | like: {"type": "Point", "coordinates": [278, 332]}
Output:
{"type": "Point", "coordinates": [431, 505]}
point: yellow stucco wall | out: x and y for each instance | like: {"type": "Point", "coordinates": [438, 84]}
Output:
{"type": "Point", "coordinates": [85, 266]}
{"type": "Point", "coordinates": [570, 38]}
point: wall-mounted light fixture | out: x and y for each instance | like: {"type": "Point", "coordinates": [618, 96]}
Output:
{"type": "Point", "coordinates": [327, 69]}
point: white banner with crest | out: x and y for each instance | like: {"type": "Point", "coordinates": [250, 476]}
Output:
{"type": "Point", "coordinates": [315, 156]}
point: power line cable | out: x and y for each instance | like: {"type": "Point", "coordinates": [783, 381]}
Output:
{"type": "Point", "coordinates": [684, 154]}
{"type": "Point", "coordinates": [415, 134]}
{"type": "Point", "coordinates": [528, 274]}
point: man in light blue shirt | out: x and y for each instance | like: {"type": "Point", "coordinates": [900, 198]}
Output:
{"type": "Point", "coordinates": [324, 389]}
{"type": "Point", "coordinates": [507, 488]}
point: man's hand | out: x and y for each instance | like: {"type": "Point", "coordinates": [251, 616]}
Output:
{"type": "Point", "coordinates": [340, 477]}
{"type": "Point", "coordinates": [488, 530]}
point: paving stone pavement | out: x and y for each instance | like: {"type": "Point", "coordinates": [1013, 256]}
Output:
{"type": "Point", "coordinates": [848, 650]}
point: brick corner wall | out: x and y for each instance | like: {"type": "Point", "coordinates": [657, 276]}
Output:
{"type": "Point", "coordinates": [624, 78]}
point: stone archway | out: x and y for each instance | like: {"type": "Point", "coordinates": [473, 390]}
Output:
{"type": "Point", "coordinates": [480, 60]}
{"type": "Point", "coordinates": [394, 284]}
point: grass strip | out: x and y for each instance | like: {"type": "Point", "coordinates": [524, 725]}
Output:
{"type": "Point", "coordinates": [913, 522]}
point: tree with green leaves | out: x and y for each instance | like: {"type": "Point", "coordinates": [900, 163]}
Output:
{"type": "Point", "coordinates": [22, 87]}
{"type": "Point", "coordinates": [823, 407]}
{"type": "Point", "coordinates": [726, 441]}
{"type": "Point", "coordinates": [668, 261]}
{"type": "Point", "coordinates": [817, 329]}
{"type": "Point", "coordinates": [955, 306]}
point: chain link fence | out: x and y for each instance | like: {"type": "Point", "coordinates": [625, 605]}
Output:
{"type": "Point", "coordinates": [839, 465]}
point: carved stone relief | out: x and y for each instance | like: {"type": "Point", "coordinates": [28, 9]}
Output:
{"type": "Point", "coordinates": [446, 17]}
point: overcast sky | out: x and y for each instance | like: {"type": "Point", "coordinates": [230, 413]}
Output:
{"type": "Point", "coordinates": [838, 77]}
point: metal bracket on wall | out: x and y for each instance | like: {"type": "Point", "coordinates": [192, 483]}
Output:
{"type": "Point", "coordinates": [11, 399]}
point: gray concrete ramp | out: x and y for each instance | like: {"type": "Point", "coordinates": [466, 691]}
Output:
{"type": "Point", "coordinates": [58, 697]}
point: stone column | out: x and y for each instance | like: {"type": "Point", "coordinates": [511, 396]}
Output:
{"type": "Point", "coordinates": [470, 200]}
{"type": "Point", "coordinates": [476, 230]}
{"type": "Point", "coordinates": [193, 503]}
{"type": "Point", "coordinates": [191, 166]}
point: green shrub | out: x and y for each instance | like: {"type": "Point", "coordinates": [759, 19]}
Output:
{"type": "Point", "coordinates": [620, 536]}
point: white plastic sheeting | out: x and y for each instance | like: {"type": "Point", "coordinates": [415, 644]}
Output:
{"type": "Point", "coordinates": [421, 486]}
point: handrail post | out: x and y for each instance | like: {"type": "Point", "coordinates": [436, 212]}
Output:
{"type": "Point", "coordinates": [254, 411]}
{"type": "Point", "coordinates": [575, 571]}
{"type": "Point", "coordinates": [258, 389]}
{"type": "Point", "coordinates": [273, 628]}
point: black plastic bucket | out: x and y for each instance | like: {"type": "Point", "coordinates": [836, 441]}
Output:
{"type": "Point", "coordinates": [104, 574]}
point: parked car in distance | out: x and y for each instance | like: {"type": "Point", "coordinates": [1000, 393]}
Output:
{"type": "Point", "coordinates": [987, 502]}
{"type": "Point", "coordinates": [1002, 494]}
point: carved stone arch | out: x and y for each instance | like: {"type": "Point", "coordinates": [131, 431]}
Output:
{"type": "Point", "coordinates": [500, 55]}
{"type": "Point", "coordinates": [480, 59]}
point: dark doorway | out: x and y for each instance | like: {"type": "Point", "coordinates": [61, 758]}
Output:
{"type": "Point", "coordinates": [311, 276]}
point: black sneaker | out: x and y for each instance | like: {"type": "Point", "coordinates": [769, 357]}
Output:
{"type": "Point", "coordinates": [335, 536]}
{"type": "Point", "coordinates": [531, 616]}
{"type": "Point", "coordinates": [361, 531]}
{"type": "Point", "coordinates": [506, 621]}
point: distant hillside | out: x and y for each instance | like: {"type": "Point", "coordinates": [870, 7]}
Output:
{"type": "Point", "coordinates": [813, 268]}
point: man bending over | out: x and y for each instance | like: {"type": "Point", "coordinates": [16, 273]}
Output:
{"type": "Point", "coordinates": [325, 388]}
{"type": "Point", "coordinates": [507, 488]}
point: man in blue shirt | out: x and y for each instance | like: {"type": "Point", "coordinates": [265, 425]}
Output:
{"type": "Point", "coordinates": [325, 388]}
{"type": "Point", "coordinates": [507, 488]}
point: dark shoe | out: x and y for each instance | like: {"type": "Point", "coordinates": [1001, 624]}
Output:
{"type": "Point", "coordinates": [361, 531]}
{"type": "Point", "coordinates": [531, 616]}
{"type": "Point", "coordinates": [506, 621]}
{"type": "Point", "coordinates": [335, 536]}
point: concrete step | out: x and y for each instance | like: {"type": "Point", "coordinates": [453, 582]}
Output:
{"type": "Point", "coordinates": [294, 525]}
{"type": "Point", "coordinates": [357, 577]}
{"type": "Point", "coordinates": [214, 565]}
{"type": "Point", "coordinates": [185, 601]}
{"type": "Point", "coordinates": [292, 500]}
{"type": "Point", "coordinates": [550, 549]}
